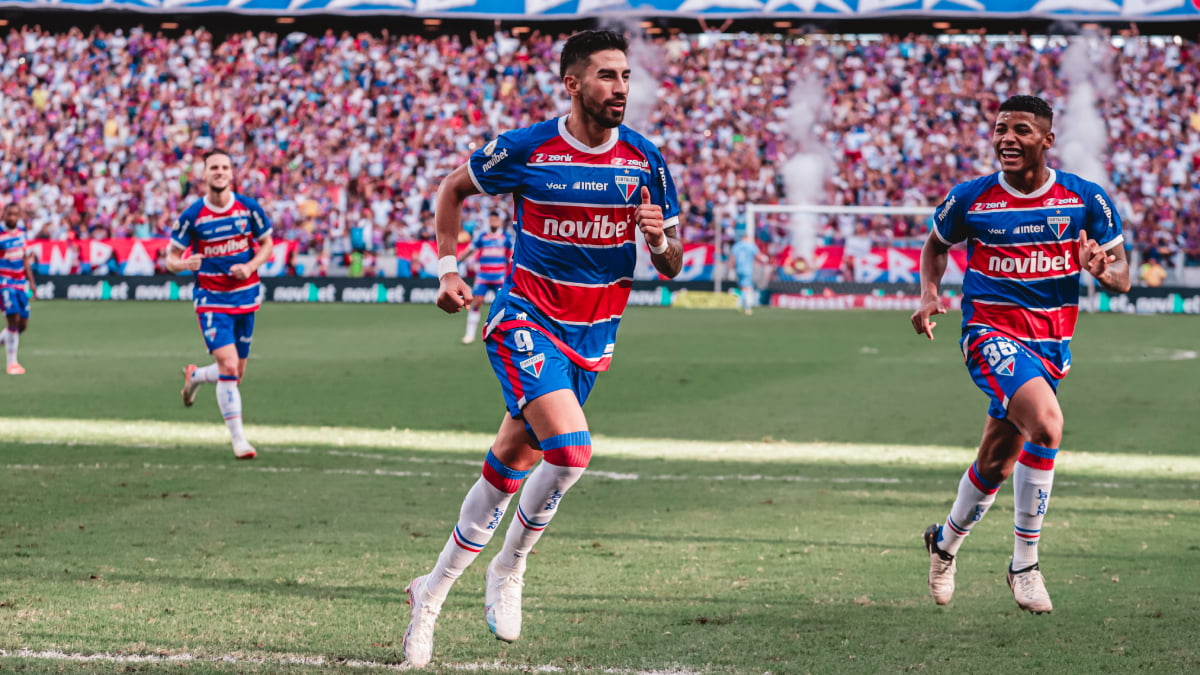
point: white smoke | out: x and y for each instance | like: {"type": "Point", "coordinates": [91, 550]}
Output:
{"type": "Point", "coordinates": [645, 64]}
{"type": "Point", "coordinates": [1082, 135]}
{"type": "Point", "coordinates": [810, 164]}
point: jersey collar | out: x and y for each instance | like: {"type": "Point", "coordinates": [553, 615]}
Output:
{"type": "Point", "coordinates": [213, 207]}
{"type": "Point", "coordinates": [579, 145]}
{"type": "Point", "coordinates": [1032, 195]}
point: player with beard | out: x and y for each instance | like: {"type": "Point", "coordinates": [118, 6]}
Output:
{"type": "Point", "coordinates": [230, 239]}
{"type": "Point", "coordinates": [1030, 230]}
{"type": "Point", "coordinates": [16, 273]}
{"type": "Point", "coordinates": [582, 185]}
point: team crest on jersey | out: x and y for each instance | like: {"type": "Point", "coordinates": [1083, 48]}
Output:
{"type": "Point", "coordinates": [533, 365]}
{"type": "Point", "coordinates": [1059, 224]}
{"type": "Point", "coordinates": [241, 224]}
{"type": "Point", "coordinates": [1006, 367]}
{"type": "Point", "coordinates": [628, 185]}
{"type": "Point", "coordinates": [490, 147]}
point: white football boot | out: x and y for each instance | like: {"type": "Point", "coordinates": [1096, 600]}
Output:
{"type": "Point", "coordinates": [502, 601]}
{"type": "Point", "coordinates": [418, 640]}
{"type": "Point", "coordinates": [243, 450]}
{"type": "Point", "coordinates": [942, 567]}
{"type": "Point", "coordinates": [1029, 589]}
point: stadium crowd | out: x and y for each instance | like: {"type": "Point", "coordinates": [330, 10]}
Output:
{"type": "Point", "coordinates": [345, 137]}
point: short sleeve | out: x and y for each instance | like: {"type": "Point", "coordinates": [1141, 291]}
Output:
{"type": "Point", "coordinates": [260, 223]}
{"type": "Point", "coordinates": [499, 167]}
{"type": "Point", "coordinates": [662, 189]}
{"type": "Point", "coordinates": [1103, 222]}
{"type": "Point", "coordinates": [182, 230]}
{"type": "Point", "coordinates": [948, 223]}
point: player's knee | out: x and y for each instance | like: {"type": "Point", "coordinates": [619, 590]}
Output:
{"type": "Point", "coordinates": [501, 476]}
{"type": "Point", "coordinates": [1045, 428]}
{"type": "Point", "coordinates": [572, 449]}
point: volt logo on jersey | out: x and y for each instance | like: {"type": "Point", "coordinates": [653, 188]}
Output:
{"type": "Point", "coordinates": [533, 365]}
{"type": "Point", "coordinates": [628, 185]}
{"type": "Point", "coordinates": [1059, 224]}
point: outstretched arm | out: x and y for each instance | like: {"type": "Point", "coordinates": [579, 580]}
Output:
{"type": "Point", "coordinates": [934, 256]}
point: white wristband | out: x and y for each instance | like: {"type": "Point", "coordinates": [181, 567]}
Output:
{"type": "Point", "coordinates": [447, 264]}
{"type": "Point", "coordinates": [661, 248]}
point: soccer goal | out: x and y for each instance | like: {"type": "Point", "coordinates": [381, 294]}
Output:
{"type": "Point", "coordinates": [804, 221]}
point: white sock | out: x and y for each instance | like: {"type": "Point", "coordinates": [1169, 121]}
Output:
{"type": "Point", "coordinates": [3, 335]}
{"type": "Point", "coordinates": [472, 322]}
{"type": "Point", "coordinates": [10, 346]}
{"type": "Point", "coordinates": [480, 515]}
{"type": "Point", "coordinates": [207, 373]}
{"type": "Point", "coordinates": [565, 458]}
{"type": "Point", "coordinates": [229, 400]}
{"type": "Point", "coordinates": [974, 498]}
{"type": "Point", "coordinates": [1032, 479]}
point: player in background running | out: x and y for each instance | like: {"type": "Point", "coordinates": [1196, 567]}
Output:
{"type": "Point", "coordinates": [17, 286]}
{"type": "Point", "coordinates": [229, 236]}
{"type": "Point", "coordinates": [492, 248]}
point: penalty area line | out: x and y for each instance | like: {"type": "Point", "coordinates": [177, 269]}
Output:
{"type": "Point", "coordinates": [318, 662]}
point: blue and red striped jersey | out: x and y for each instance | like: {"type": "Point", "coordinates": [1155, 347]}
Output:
{"type": "Point", "coordinates": [12, 258]}
{"type": "Point", "coordinates": [225, 238]}
{"type": "Point", "coordinates": [1022, 276]}
{"type": "Point", "coordinates": [576, 245]}
{"type": "Point", "coordinates": [492, 251]}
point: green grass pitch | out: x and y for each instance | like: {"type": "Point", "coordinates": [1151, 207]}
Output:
{"type": "Point", "coordinates": [754, 505]}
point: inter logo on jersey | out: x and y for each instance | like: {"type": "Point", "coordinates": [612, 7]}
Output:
{"type": "Point", "coordinates": [1059, 224]}
{"type": "Point", "coordinates": [628, 185]}
{"type": "Point", "coordinates": [533, 365]}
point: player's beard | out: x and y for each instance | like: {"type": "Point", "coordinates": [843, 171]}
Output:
{"type": "Point", "coordinates": [602, 115]}
{"type": "Point", "coordinates": [216, 191]}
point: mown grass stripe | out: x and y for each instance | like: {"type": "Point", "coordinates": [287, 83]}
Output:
{"type": "Point", "coordinates": [154, 433]}
{"type": "Point", "coordinates": [318, 662]}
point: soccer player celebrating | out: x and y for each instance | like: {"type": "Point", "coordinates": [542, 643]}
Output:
{"type": "Point", "coordinates": [16, 285]}
{"type": "Point", "coordinates": [492, 249]}
{"type": "Point", "coordinates": [581, 184]}
{"type": "Point", "coordinates": [230, 238]}
{"type": "Point", "coordinates": [1029, 230]}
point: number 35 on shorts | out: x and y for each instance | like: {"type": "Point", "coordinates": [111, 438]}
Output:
{"type": "Point", "coordinates": [996, 350]}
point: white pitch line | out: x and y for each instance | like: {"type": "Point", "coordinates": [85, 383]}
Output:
{"type": "Point", "coordinates": [317, 662]}
{"type": "Point", "coordinates": [159, 433]}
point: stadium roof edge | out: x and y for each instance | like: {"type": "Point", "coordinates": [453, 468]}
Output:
{"type": "Point", "coordinates": [313, 21]}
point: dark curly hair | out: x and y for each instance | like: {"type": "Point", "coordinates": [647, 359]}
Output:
{"type": "Point", "coordinates": [1029, 104]}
